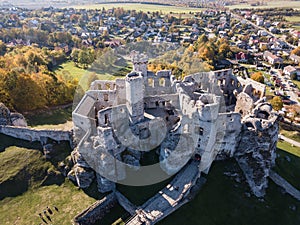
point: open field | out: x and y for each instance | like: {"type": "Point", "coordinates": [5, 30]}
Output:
{"type": "Point", "coordinates": [293, 18]}
{"type": "Point", "coordinates": [288, 166]}
{"type": "Point", "coordinates": [68, 68]}
{"type": "Point", "coordinates": [69, 71]}
{"type": "Point", "coordinates": [270, 4]}
{"type": "Point", "coordinates": [140, 7]}
{"type": "Point", "coordinates": [296, 28]}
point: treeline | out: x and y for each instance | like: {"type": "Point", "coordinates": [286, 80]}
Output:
{"type": "Point", "coordinates": [27, 83]}
{"type": "Point", "coordinates": [203, 55]}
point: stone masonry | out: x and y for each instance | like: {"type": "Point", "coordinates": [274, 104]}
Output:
{"type": "Point", "coordinates": [208, 115]}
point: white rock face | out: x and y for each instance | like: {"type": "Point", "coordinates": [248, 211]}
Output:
{"type": "Point", "coordinates": [11, 119]}
{"type": "Point", "coordinates": [18, 120]}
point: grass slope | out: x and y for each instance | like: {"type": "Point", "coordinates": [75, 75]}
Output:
{"type": "Point", "coordinates": [54, 117]}
{"type": "Point", "coordinates": [15, 160]}
{"type": "Point", "coordinates": [287, 147]}
{"type": "Point", "coordinates": [24, 209]}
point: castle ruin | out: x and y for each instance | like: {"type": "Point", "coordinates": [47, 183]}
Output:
{"type": "Point", "coordinates": [206, 116]}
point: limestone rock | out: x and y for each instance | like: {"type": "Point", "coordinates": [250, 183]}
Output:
{"type": "Point", "coordinates": [4, 115]}
{"type": "Point", "coordinates": [256, 152]}
{"type": "Point", "coordinates": [78, 159]}
{"type": "Point", "coordinates": [71, 175]}
{"type": "Point", "coordinates": [18, 120]}
{"type": "Point", "coordinates": [131, 161]}
{"type": "Point", "coordinates": [104, 185]}
{"type": "Point", "coordinates": [84, 176]}
{"type": "Point", "coordinates": [48, 150]}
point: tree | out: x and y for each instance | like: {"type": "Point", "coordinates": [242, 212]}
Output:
{"type": "Point", "coordinates": [294, 76]}
{"type": "Point", "coordinates": [86, 57]}
{"type": "Point", "coordinates": [75, 54]}
{"type": "Point", "coordinates": [258, 76]}
{"type": "Point", "coordinates": [276, 103]}
{"type": "Point", "coordinates": [2, 48]}
{"type": "Point", "coordinates": [224, 49]}
{"type": "Point", "coordinates": [296, 51]}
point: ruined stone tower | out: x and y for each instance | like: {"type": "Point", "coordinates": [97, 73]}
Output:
{"type": "Point", "coordinates": [140, 63]}
{"type": "Point", "coordinates": [134, 84]}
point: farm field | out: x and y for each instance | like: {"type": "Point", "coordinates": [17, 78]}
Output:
{"type": "Point", "coordinates": [293, 18]}
{"type": "Point", "coordinates": [270, 4]}
{"type": "Point", "coordinates": [141, 7]}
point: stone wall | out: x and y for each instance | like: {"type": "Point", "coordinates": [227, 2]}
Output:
{"type": "Point", "coordinates": [29, 134]}
{"type": "Point", "coordinates": [96, 211]}
{"type": "Point", "coordinates": [159, 83]}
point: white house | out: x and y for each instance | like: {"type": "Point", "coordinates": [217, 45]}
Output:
{"type": "Point", "coordinates": [289, 70]}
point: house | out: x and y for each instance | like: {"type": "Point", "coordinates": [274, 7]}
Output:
{"type": "Point", "coordinates": [289, 70]}
{"type": "Point", "coordinates": [295, 58]}
{"type": "Point", "coordinates": [273, 30]}
{"type": "Point", "coordinates": [296, 33]}
{"type": "Point", "coordinates": [271, 58]}
{"type": "Point", "coordinates": [103, 29]}
{"type": "Point", "coordinates": [263, 45]}
{"type": "Point", "coordinates": [262, 33]}
{"type": "Point", "coordinates": [259, 21]}
{"type": "Point", "coordinates": [241, 56]}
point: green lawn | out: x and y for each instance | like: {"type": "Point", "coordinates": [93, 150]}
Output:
{"type": "Point", "coordinates": [288, 166]}
{"type": "Point", "coordinates": [140, 7]}
{"type": "Point", "coordinates": [294, 135]}
{"type": "Point", "coordinates": [297, 82]}
{"type": "Point", "coordinates": [68, 68]}
{"type": "Point", "coordinates": [15, 160]}
{"type": "Point", "coordinates": [287, 147]}
{"type": "Point", "coordinates": [24, 209]}
{"type": "Point", "coordinates": [69, 71]}
{"type": "Point", "coordinates": [292, 18]}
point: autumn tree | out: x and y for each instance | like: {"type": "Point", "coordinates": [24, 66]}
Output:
{"type": "Point", "coordinates": [2, 48]}
{"type": "Point", "coordinates": [276, 103]}
{"type": "Point", "coordinates": [296, 51]}
{"type": "Point", "coordinates": [258, 76]}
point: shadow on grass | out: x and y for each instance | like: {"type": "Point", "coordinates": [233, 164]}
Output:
{"type": "Point", "coordinates": [6, 141]}
{"type": "Point", "coordinates": [53, 116]}
{"type": "Point", "coordinates": [14, 187]}
{"type": "Point", "coordinates": [27, 167]}
{"type": "Point", "coordinates": [93, 192]}
{"type": "Point", "coordinates": [288, 166]}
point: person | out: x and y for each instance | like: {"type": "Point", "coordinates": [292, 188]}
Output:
{"type": "Point", "coordinates": [42, 218]}
{"type": "Point", "coordinates": [49, 210]}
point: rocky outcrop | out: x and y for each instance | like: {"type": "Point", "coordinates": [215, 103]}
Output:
{"type": "Point", "coordinates": [11, 119]}
{"type": "Point", "coordinates": [256, 151]}
{"type": "Point", "coordinates": [84, 176]}
{"type": "Point", "coordinates": [104, 185]}
{"type": "Point", "coordinates": [131, 161]}
{"type": "Point", "coordinates": [81, 173]}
